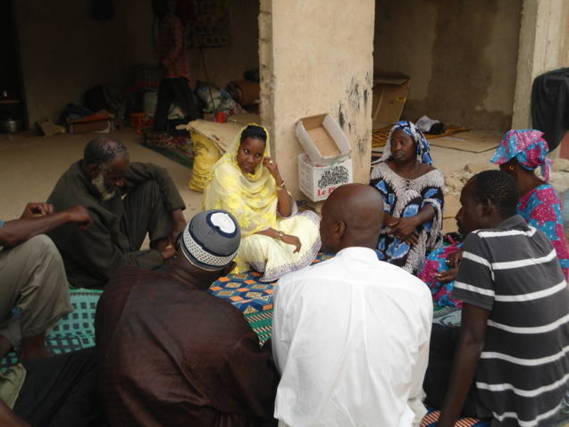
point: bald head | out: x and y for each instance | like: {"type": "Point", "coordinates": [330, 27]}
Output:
{"type": "Point", "coordinates": [352, 216]}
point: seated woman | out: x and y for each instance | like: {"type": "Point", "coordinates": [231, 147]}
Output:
{"type": "Point", "coordinates": [519, 154]}
{"type": "Point", "coordinates": [412, 193]}
{"type": "Point", "coordinates": [246, 182]}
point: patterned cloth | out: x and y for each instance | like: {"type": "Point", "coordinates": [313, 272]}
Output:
{"type": "Point", "coordinates": [405, 198]}
{"type": "Point", "coordinates": [247, 293]}
{"type": "Point", "coordinates": [434, 264]}
{"type": "Point", "coordinates": [541, 208]}
{"type": "Point", "coordinates": [172, 48]}
{"type": "Point", "coordinates": [528, 147]}
{"type": "Point", "coordinates": [447, 316]}
{"type": "Point", "coordinates": [432, 419]}
{"type": "Point", "coordinates": [262, 324]}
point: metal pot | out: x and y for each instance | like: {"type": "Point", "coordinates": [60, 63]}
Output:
{"type": "Point", "coordinates": [10, 126]}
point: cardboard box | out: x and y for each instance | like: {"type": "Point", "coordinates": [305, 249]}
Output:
{"type": "Point", "coordinates": [317, 182]}
{"type": "Point", "coordinates": [322, 138]}
{"type": "Point", "coordinates": [390, 91]}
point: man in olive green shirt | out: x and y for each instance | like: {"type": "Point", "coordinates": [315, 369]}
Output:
{"type": "Point", "coordinates": [126, 201]}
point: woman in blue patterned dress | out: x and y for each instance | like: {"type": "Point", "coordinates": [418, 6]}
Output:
{"type": "Point", "coordinates": [412, 191]}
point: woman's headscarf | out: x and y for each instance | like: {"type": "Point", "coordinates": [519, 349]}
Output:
{"type": "Point", "coordinates": [423, 147]}
{"type": "Point", "coordinates": [528, 147]}
{"type": "Point", "coordinates": [251, 198]}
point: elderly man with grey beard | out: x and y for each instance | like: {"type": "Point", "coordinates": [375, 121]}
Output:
{"type": "Point", "coordinates": [126, 201]}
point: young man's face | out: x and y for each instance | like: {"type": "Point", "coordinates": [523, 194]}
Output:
{"type": "Point", "coordinates": [470, 215]}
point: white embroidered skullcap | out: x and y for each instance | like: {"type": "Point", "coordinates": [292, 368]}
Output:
{"type": "Point", "coordinates": [211, 239]}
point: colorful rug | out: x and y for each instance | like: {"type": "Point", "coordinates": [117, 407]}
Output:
{"type": "Point", "coordinates": [432, 418]}
{"type": "Point", "coordinates": [176, 154]}
{"type": "Point", "coordinates": [447, 316]}
{"type": "Point", "coordinates": [74, 331]}
{"type": "Point", "coordinates": [246, 293]}
{"type": "Point", "coordinates": [178, 148]}
{"type": "Point", "coordinates": [261, 323]}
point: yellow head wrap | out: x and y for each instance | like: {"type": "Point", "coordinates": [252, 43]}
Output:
{"type": "Point", "coordinates": [251, 198]}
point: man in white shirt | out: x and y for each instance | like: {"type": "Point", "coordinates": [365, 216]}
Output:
{"type": "Point", "coordinates": [351, 334]}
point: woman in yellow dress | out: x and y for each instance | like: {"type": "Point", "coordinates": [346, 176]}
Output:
{"type": "Point", "coordinates": [246, 182]}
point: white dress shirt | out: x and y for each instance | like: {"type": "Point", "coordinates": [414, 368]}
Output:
{"type": "Point", "coordinates": [351, 340]}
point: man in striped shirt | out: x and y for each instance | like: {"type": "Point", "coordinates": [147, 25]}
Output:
{"type": "Point", "coordinates": [514, 339]}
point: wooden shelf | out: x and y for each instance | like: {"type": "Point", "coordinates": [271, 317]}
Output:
{"type": "Point", "coordinates": [10, 101]}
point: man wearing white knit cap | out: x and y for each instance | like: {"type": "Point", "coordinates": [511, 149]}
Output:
{"type": "Point", "coordinates": [172, 354]}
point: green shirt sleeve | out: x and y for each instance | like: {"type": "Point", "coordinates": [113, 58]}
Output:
{"type": "Point", "coordinates": [141, 172]}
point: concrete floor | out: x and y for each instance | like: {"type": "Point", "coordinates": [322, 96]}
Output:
{"type": "Point", "coordinates": [31, 165]}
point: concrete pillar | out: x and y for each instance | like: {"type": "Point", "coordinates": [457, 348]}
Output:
{"type": "Point", "coordinates": [543, 46]}
{"type": "Point", "coordinates": [316, 57]}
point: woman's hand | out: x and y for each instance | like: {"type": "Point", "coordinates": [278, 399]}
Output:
{"type": "Point", "coordinates": [412, 239]}
{"type": "Point", "coordinates": [292, 240]}
{"type": "Point", "coordinates": [271, 165]}
{"type": "Point", "coordinates": [453, 262]}
{"type": "Point", "coordinates": [404, 228]}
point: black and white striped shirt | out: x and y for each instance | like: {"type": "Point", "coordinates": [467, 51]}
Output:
{"type": "Point", "coordinates": [513, 271]}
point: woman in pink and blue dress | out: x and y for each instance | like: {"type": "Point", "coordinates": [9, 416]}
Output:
{"type": "Point", "coordinates": [520, 153]}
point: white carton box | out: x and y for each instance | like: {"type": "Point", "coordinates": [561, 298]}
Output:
{"type": "Point", "coordinates": [318, 181]}
{"type": "Point", "coordinates": [322, 139]}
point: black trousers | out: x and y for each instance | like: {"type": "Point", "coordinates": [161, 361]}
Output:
{"type": "Point", "coordinates": [145, 212]}
{"type": "Point", "coordinates": [441, 354]}
{"type": "Point", "coordinates": [174, 90]}
{"type": "Point", "coordinates": [60, 391]}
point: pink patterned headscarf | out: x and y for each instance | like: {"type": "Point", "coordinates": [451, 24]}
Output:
{"type": "Point", "coordinates": [528, 147]}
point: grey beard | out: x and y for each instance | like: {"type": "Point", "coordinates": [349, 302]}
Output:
{"type": "Point", "coordinates": [99, 183]}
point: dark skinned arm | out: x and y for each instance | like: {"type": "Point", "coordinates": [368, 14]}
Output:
{"type": "Point", "coordinates": [8, 418]}
{"type": "Point", "coordinates": [402, 228]}
{"type": "Point", "coordinates": [467, 355]}
{"type": "Point", "coordinates": [20, 230]}
{"type": "Point", "coordinates": [284, 204]}
{"type": "Point", "coordinates": [286, 238]}
{"type": "Point", "coordinates": [388, 219]}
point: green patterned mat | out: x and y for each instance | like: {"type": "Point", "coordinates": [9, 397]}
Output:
{"type": "Point", "coordinates": [261, 323]}
{"type": "Point", "coordinates": [74, 331]}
